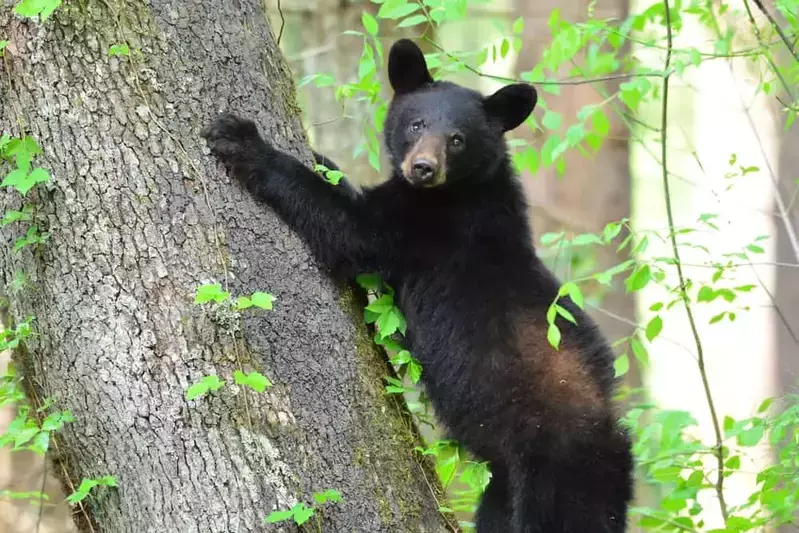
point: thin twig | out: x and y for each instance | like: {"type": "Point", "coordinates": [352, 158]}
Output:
{"type": "Point", "coordinates": [638, 327]}
{"type": "Point", "coordinates": [777, 28]}
{"type": "Point", "coordinates": [718, 452]}
{"type": "Point", "coordinates": [282, 22]}
{"type": "Point", "coordinates": [581, 81]}
{"type": "Point", "coordinates": [774, 305]}
{"type": "Point", "coordinates": [783, 211]}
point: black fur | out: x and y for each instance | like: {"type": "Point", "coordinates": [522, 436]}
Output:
{"type": "Point", "coordinates": [475, 295]}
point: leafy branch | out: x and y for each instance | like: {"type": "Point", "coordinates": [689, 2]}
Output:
{"type": "Point", "coordinates": [718, 449]}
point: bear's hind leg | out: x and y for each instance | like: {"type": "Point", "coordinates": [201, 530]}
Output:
{"type": "Point", "coordinates": [585, 489]}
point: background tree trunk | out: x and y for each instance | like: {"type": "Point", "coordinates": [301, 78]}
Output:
{"type": "Point", "coordinates": [786, 297]}
{"type": "Point", "coordinates": [138, 217]}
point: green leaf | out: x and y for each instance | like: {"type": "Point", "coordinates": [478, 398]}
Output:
{"type": "Point", "coordinates": [206, 384]}
{"type": "Point", "coordinates": [279, 516]}
{"type": "Point", "coordinates": [369, 282]}
{"type": "Point", "coordinates": [653, 328]}
{"type": "Point", "coordinates": [552, 120]}
{"type": "Point", "coordinates": [755, 249]}
{"type": "Point", "coordinates": [330, 495]}
{"type": "Point", "coordinates": [414, 371]}
{"type": "Point", "coordinates": [733, 463]}
{"type": "Point", "coordinates": [562, 311]}
{"type": "Point", "coordinates": [403, 357]}
{"type": "Point", "coordinates": [381, 305]}
{"type": "Point", "coordinates": [210, 292]}
{"type": "Point", "coordinates": [119, 50]}
{"type": "Point", "coordinates": [639, 278]}
{"type": "Point", "coordinates": [31, 8]}
{"type": "Point", "coordinates": [553, 336]}
{"type": "Point", "coordinates": [750, 437]}
{"type": "Point", "coordinates": [548, 239]}
{"type": "Point", "coordinates": [388, 323]}
{"type": "Point", "coordinates": [369, 23]}
{"type": "Point", "coordinates": [263, 300]}
{"type": "Point", "coordinates": [518, 26]}
{"type": "Point", "coordinates": [255, 380]}
{"type": "Point", "coordinates": [574, 293]}
{"type": "Point", "coordinates": [302, 513]}
{"type": "Point", "coordinates": [640, 352]}
{"type": "Point", "coordinates": [600, 122]}
{"type": "Point", "coordinates": [413, 20]}
{"type": "Point", "coordinates": [476, 475]}
{"type": "Point", "coordinates": [764, 405]}
{"type": "Point", "coordinates": [3, 44]}
{"type": "Point", "coordinates": [504, 48]}
{"type": "Point", "coordinates": [706, 294]}
{"type": "Point", "coordinates": [611, 231]}
{"type": "Point", "coordinates": [394, 9]}
{"type": "Point", "coordinates": [621, 365]}
{"type": "Point", "coordinates": [23, 181]}
{"type": "Point", "coordinates": [88, 484]}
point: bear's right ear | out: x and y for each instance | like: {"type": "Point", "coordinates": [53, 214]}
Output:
{"type": "Point", "coordinates": [407, 70]}
{"type": "Point", "coordinates": [511, 105]}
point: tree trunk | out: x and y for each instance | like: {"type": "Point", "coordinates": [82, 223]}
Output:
{"type": "Point", "coordinates": [138, 218]}
{"type": "Point", "coordinates": [786, 297]}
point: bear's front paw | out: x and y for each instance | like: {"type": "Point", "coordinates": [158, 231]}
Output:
{"type": "Point", "coordinates": [232, 138]}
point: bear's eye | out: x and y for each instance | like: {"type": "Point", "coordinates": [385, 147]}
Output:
{"type": "Point", "coordinates": [457, 141]}
{"type": "Point", "coordinates": [417, 125]}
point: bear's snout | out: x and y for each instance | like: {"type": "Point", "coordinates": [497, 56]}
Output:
{"type": "Point", "coordinates": [425, 163]}
{"type": "Point", "coordinates": [424, 169]}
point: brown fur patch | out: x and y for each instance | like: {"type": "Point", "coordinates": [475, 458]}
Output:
{"type": "Point", "coordinates": [560, 375]}
{"type": "Point", "coordinates": [433, 148]}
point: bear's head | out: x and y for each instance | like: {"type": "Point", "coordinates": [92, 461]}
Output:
{"type": "Point", "coordinates": [439, 133]}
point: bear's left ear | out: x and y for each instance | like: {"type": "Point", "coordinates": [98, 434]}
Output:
{"type": "Point", "coordinates": [407, 70]}
{"type": "Point", "coordinates": [511, 105]}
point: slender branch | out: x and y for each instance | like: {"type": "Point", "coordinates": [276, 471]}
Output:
{"type": "Point", "coordinates": [282, 22]}
{"type": "Point", "coordinates": [683, 292]}
{"type": "Point", "coordinates": [777, 28]}
{"type": "Point", "coordinates": [581, 81]}
{"type": "Point", "coordinates": [783, 211]}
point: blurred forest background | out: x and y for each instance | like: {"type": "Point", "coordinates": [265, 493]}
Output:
{"type": "Point", "coordinates": [721, 122]}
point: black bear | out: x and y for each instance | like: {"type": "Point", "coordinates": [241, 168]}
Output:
{"type": "Point", "coordinates": [449, 231]}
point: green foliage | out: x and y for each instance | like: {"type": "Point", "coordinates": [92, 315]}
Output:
{"type": "Point", "coordinates": [254, 380]}
{"type": "Point", "coordinates": [32, 8]}
{"type": "Point", "coordinates": [261, 300]}
{"type": "Point", "coordinates": [302, 512]}
{"type": "Point", "coordinates": [87, 485]}
{"type": "Point", "coordinates": [121, 49]}
{"type": "Point", "coordinates": [21, 150]}
{"type": "Point", "coordinates": [205, 385]}
{"type": "Point", "coordinates": [332, 176]}
{"type": "Point", "coordinates": [211, 292]}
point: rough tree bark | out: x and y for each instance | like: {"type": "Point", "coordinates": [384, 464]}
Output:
{"type": "Point", "coordinates": [138, 217]}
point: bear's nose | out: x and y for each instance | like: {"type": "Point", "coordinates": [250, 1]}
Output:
{"type": "Point", "coordinates": [424, 169]}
